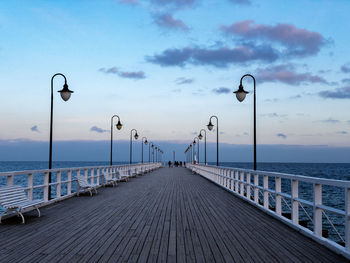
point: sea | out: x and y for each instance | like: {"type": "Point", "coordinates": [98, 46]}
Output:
{"type": "Point", "coordinates": [333, 225]}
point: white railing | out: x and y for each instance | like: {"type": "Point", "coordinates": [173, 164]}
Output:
{"type": "Point", "coordinates": [278, 193]}
{"type": "Point", "coordinates": [63, 183]}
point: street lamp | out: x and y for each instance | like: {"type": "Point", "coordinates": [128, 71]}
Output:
{"type": "Point", "coordinates": [143, 142]}
{"type": "Point", "coordinates": [65, 95]}
{"type": "Point", "coordinates": [149, 151]}
{"type": "Point", "coordinates": [210, 127]}
{"type": "Point", "coordinates": [194, 143]}
{"type": "Point", "coordinates": [240, 95]}
{"type": "Point", "coordinates": [200, 136]}
{"type": "Point", "coordinates": [152, 153]}
{"type": "Point", "coordinates": [136, 136]}
{"type": "Point", "coordinates": [118, 126]}
{"type": "Point", "coordinates": [156, 148]}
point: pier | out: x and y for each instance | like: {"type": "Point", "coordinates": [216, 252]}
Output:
{"type": "Point", "coordinates": [168, 215]}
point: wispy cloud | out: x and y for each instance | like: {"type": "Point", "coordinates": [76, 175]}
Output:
{"type": "Point", "coordinates": [281, 135]}
{"type": "Point", "coordinates": [345, 68]}
{"type": "Point", "coordinates": [346, 81]}
{"type": "Point", "coordinates": [274, 115]}
{"type": "Point", "coordinates": [182, 81]}
{"type": "Point", "coordinates": [173, 3]}
{"type": "Point", "coordinates": [297, 41]}
{"type": "Point", "coordinates": [342, 132]}
{"type": "Point", "coordinates": [241, 2]}
{"type": "Point", "coordinates": [221, 90]}
{"type": "Point", "coordinates": [330, 120]}
{"type": "Point", "coordinates": [340, 93]}
{"type": "Point", "coordinates": [286, 74]}
{"type": "Point", "coordinates": [136, 75]}
{"type": "Point", "coordinates": [97, 129]}
{"type": "Point", "coordinates": [129, 2]}
{"type": "Point", "coordinates": [169, 22]}
{"type": "Point", "coordinates": [35, 129]}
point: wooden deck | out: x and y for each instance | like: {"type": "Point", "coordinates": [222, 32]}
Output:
{"type": "Point", "coordinates": [168, 215]}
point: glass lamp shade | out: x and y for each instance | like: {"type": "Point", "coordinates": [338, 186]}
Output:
{"type": "Point", "coordinates": [146, 142]}
{"type": "Point", "coordinates": [200, 136]}
{"type": "Point", "coordinates": [136, 136]}
{"type": "Point", "coordinates": [119, 125]}
{"type": "Point", "coordinates": [194, 142]}
{"type": "Point", "coordinates": [210, 126]}
{"type": "Point", "coordinates": [152, 146]}
{"type": "Point", "coordinates": [65, 92]}
{"type": "Point", "coordinates": [240, 93]}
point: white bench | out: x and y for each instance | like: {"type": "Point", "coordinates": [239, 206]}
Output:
{"type": "Point", "coordinates": [14, 200]}
{"type": "Point", "coordinates": [109, 179]}
{"type": "Point", "coordinates": [123, 175]}
{"type": "Point", "coordinates": [83, 184]}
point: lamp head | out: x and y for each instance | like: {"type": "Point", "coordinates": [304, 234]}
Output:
{"type": "Point", "coordinates": [119, 125]}
{"type": "Point", "coordinates": [210, 126]}
{"type": "Point", "coordinates": [200, 136]}
{"type": "Point", "coordinates": [136, 136]}
{"type": "Point", "coordinates": [146, 142]}
{"type": "Point", "coordinates": [194, 142]}
{"type": "Point", "coordinates": [240, 93]}
{"type": "Point", "coordinates": [65, 92]}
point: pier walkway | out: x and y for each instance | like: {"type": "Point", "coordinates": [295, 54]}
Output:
{"type": "Point", "coordinates": [168, 215]}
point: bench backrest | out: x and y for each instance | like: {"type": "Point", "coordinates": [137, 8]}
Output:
{"type": "Point", "coordinates": [82, 181]}
{"type": "Point", "coordinates": [10, 195]}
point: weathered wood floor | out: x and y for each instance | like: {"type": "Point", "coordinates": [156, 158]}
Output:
{"type": "Point", "coordinates": [169, 215]}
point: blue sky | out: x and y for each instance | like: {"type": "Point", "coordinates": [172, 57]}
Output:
{"type": "Point", "coordinates": [166, 66]}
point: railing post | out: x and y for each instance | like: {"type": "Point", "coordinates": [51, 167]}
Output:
{"type": "Point", "coordinates": [242, 183]}
{"type": "Point", "coordinates": [98, 176]}
{"type": "Point", "coordinates": [86, 174]}
{"type": "Point", "coordinates": [10, 180]}
{"type": "Point", "coordinates": [30, 187]}
{"type": "Point", "coordinates": [58, 186]}
{"type": "Point", "coordinates": [295, 204]}
{"type": "Point", "coordinates": [78, 187]}
{"type": "Point", "coordinates": [46, 186]}
{"type": "Point", "coordinates": [232, 174]}
{"type": "Point", "coordinates": [69, 185]}
{"type": "Point", "coordinates": [256, 189]}
{"type": "Point", "coordinates": [236, 182]}
{"type": "Point", "coordinates": [347, 218]}
{"type": "Point", "coordinates": [248, 185]}
{"type": "Point", "coordinates": [317, 211]}
{"type": "Point", "coordinates": [266, 192]}
{"type": "Point", "coordinates": [278, 183]}
{"type": "Point", "coordinates": [92, 175]}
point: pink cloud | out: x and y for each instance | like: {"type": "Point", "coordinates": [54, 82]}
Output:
{"type": "Point", "coordinates": [169, 22]}
{"type": "Point", "coordinates": [299, 41]}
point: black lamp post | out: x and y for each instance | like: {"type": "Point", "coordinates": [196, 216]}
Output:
{"type": "Point", "coordinates": [136, 136]}
{"type": "Point", "coordinates": [152, 153]}
{"type": "Point", "coordinates": [191, 152]}
{"type": "Point", "coordinates": [240, 95]}
{"type": "Point", "coordinates": [156, 148]}
{"type": "Point", "coordinates": [210, 127]}
{"type": "Point", "coordinates": [118, 126]}
{"type": "Point", "coordinates": [149, 151]}
{"type": "Point", "coordinates": [143, 142]}
{"type": "Point", "coordinates": [194, 143]}
{"type": "Point", "coordinates": [200, 136]}
{"type": "Point", "coordinates": [65, 95]}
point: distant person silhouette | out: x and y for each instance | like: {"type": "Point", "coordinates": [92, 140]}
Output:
{"type": "Point", "coordinates": [169, 163]}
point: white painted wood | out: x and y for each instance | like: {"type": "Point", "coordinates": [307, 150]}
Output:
{"type": "Point", "coordinates": [30, 186]}
{"type": "Point", "coordinates": [266, 193]}
{"type": "Point", "coordinates": [236, 182]}
{"type": "Point", "coordinates": [58, 186]}
{"type": "Point", "coordinates": [10, 179]}
{"type": "Point", "coordinates": [317, 211]}
{"type": "Point", "coordinates": [242, 183]}
{"type": "Point", "coordinates": [278, 184]}
{"type": "Point", "coordinates": [295, 203]}
{"type": "Point", "coordinates": [248, 185]}
{"type": "Point", "coordinates": [69, 185]}
{"type": "Point", "coordinates": [98, 176]}
{"type": "Point", "coordinates": [46, 186]}
{"type": "Point", "coordinates": [256, 189]}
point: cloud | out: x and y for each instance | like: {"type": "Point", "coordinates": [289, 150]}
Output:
{"type": "Point", "coordinates": [129, 2]}
{"type": "Point", "coordinates": [342, 132]}
{"type": "Point", "coordinates": [330, 120]}
{"type": "Point", "coordinates": [297, 41]}
{"type": "Point", "coordinates": [174, 3]}
{"type": "Point", "coordinates": [169, 22]}
{"type": "Point", "coordinates": [35, 129]}
{"type": "Point", "coordinates": [241, 2]}
{"type": "Point", "coordinates": [124, 74]}
{"type": "Point", "coordinates": [286, 74]}
{"type": "Point", "coordinates": [281, 135]}
{"type": "Point", "coordinates": [221, 90]}
{"type": "Point", "coordinates": [340, 93]}
{"type": "Point", "coordinates": [346, 81]}
{"type": "Point", "coordinates": [217, 57]}
{"type": "Point", "coordinates": [296, 97]}
{"type": "Point", "coordinates": [97, 129]}
{"type": "Point", "coordinates": [181, 81]}
{"type": "Point", "coordinates": [345, 68]}
{"type": "Point", "coordinates": [176, 90]}
{"type": "Point", "coordinates": [274, 115]}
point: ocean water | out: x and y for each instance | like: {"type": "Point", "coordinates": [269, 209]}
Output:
{"type": "Point", "coordinates": [332, 196]}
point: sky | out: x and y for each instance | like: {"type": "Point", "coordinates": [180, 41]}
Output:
{"type": "Point", "coordinates": [165, 67]}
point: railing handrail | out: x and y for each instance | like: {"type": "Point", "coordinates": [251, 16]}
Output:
{"type": "Point", "coordinates": [307, 179]}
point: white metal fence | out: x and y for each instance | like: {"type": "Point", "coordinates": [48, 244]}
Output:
{"type": "Point", "coordinates": [324, 203]}
{"type": "Point", "coordinates": [63, 183]}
